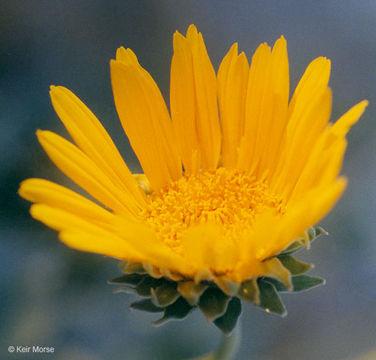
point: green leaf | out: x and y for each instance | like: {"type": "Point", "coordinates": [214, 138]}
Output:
{"type": "Point", "coordinates": [279, 286]}
{"type": "Point", "coordinates": [227, 322]}
{"type": "Point", "coordinates": [125, 289]}
{"type": "Point", "coordinates": [295, 266]}
{"type": "Point", "coordinates": [294, 247]}
{"type": "Point", "coordinates": [313, 233]}
{"type": "Point", "coordinates": [305, 282]}
{"type": "Point", "coordinates": [165, 294]}
{"type": "Point", "coordinates": [131, 279]}
{"type": "Point", "coordinates": [146, 305]}
{"type": "Point", "coordinates": [249, 291]}
{"type": "Point", "coordinates": [144, 287]}
{"type": "Point", "coordinates": [269, 298]}
{"type": "Point", "coordinates": [191, 291]}
{"type": "Point", "coordinates": [213, 303]}
{"type": "Point", "coordinates": [178, 311]}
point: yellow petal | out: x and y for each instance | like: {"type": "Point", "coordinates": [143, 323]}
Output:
{"type": "Point", "coordinates": [94, 141]}
{"type": "Point", "coordinates": [232, 87]}
{"type": "Point", "coordinates": [183, 104]}
{"type": "Point", "coordinates": [346, 121]}
{"type": "Point", "coordinates": [49, 193]}
{"type": "Point", "coordinates": [205, 247]}
{"type": "Point", "coordinates": [266, 109]}
{"type": "Point", "coordinates": [198, 99]}
{"type": "Point", "coordinates": [257, 82]}
{"type": "Point", "coordinates": [157, 253]}
{"type": "Point", "coordinates": [91, 237]}
{"type": "Point", "coordinates": [274, 233]}
{"type": "Point", "coordinates": [59, 219]}
{"type": "Point", "coordinates": [280, 88]}
{"type": "Point", "coordinates": [126, 56]}
{"type": "Point", "coordinates": [311, 98]}
{"type": "Point", "coordinates": [326, 155]}
{"type": "Point", "coordinates": [85, 173]}
{"type": "Point", "coordinates": [299, 143]}
{"type": "Point", "coordinates": [146, 121]}
{"type": "Point", "coordinates": [103, 245]}
{"type": "Point", "coordinates": [129, 240]}
{"type": "Point", "coordinates": [322, 168]}
{"type": "Point", "coordinates": [314, 79]}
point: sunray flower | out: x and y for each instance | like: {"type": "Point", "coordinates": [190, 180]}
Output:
{"type": "Point", "coordinates": [234, 175]}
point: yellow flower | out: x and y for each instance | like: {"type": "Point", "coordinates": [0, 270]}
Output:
{"type": "Point", "coordinates": [232, 175]}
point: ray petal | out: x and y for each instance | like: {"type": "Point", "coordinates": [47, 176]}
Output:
{"type": "Point", "coordinates": [46, 192]}
{"type": "Point", "coordinates": [94, 141]}
{"type": "Point", "coordinates": [129, 241]}
{"type": "Point", "coordinates": [325, 160]}
{"type": "Point", "coordinates": [194, 105]}
{"type": "Point", "coordinates": [207, 248]}
{"type": "Point", "coordinates": [93, 237]}
{"type": "Point", "coordinates": [232, 82]}
{"type": "Point", "coordinates": [145, 119]}
{"type": "Point", "coordinates": [85, 173]}
{"type": "Point", "coordinates": [266, 109]}
{"type": "Point", "coordinates": [275, 233]}
{"type": "Point", "coordinates": [347, 120]}
{"type": "Point", "coordinates": [183, 105]}
{"type": "Point", "coordinates": [299, 145]}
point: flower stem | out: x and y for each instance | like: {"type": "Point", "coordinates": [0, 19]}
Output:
{"type": "Point", "coordinates": [227, 348]}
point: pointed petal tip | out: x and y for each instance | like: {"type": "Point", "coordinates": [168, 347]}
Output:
{"type": "Point", "coordinates": [362, 105]}
{"type": "Point", "coordinates": [324, 60]}
{"type": "Point", "coordinates": [263, 47]}
{"type": "Point", "coordinates": [320, 61]}
{"type": "Point", "coordinates": [55, 90]}
{"type": "Point", "coordinates": [44, 134]}
{"type": "Point", "coordinates": [121, 50]}
{"type": "Point", "coordinates": [192, 28]}
{"type": "Point", "coordinates": [126, 56]}
{"type": "Point", "coordinates": [280, 47]}
{"type": "Point", "coordinates": [343, 125]}
{"type": "Point", "coordinates": [192, 33]}
{"type": "Point", "coordinates": [112, 62]}
{"type": "Point", "coordinates": [281, 40]}
{"type": "Point", "coordinates": [39, 132]}
{"type": "Point", "coordinates": [177, 39]}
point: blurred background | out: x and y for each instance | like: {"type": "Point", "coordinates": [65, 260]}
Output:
{"type": "Point", "coordinates": [54, 296]}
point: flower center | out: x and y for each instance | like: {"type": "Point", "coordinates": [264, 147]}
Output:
{"type": "Point", "coordinates": [228, 198]}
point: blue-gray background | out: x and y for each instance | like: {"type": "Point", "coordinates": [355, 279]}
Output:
{"type": "Point", "coordinates": [54, 296]}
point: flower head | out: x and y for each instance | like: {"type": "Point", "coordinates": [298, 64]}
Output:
{"type": "Point", "coordinates": [234, 175]}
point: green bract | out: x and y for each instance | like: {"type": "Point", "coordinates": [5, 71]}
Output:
{"type": "Point", "coordinates": [221, 305]}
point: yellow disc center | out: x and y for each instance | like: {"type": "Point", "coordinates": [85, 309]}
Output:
{"type": "Point", "coordinates": [229, 198]}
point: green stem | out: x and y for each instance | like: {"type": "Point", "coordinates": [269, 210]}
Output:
{"type": "Point", "coordinates": [227, 348]}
